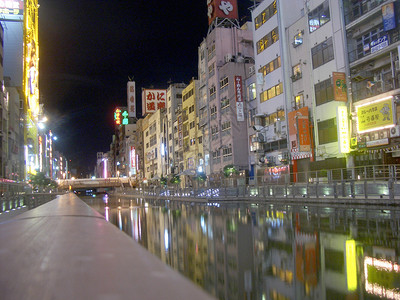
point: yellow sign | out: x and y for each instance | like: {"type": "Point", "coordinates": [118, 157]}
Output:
{"type": "Point", "coordinates": [351, 265]}
{"type": "Point", "coordinates": [343, 129]}
{"type": "Point", "coordinates": [375, 115]}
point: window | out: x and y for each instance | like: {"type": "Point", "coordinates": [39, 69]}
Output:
{"type": "Point", "coordinates": [200, 140]}
{"type": "Point", "coordinates": [265, 15]}
{"type": "Point", "coordinates": [299, 101]}
{"type": "Point", "coordinates": [211, 50]}
{"type": "Point", "coordinates": [269, 39]}
{"type": "Point", "coordinates": [281, 115]}
{"type": "Point", "coordinates": [271, 66]}
{"type": "Point", "coordinates": [327, 131]}
{"type": "Point", "coordinates": [211, 69]}
{"type": "Point", "coordinates": [212, 90]}
{"type": "Point", "coordinates": [322, 53]}
{"type": "Point", "coordinates": [191, 109]}
{"type": "Point", "coordinates": [251, 92]}
{"type": "Point", "coordinates": [226, 126]}
{"type": "Point", "coordinates": [252, 112]}
{"type": "Point", "coordinates": [224, 102]}
{"type": "Point", "coordinates": [323, 92]}
{"type": "Point", "coordinates": [188, 95]}
{"type": "Point", "coordinates": [271, 92]}
{"type": "Point", "coordinates": [364, 42]}
{"type": "Point", "coordinates": [223, 82]}
{"type": "Point", "coordinates": [192, 142]}
{"type": "Point", "coordinates": [319, 16]}
{"type": "Point", "coordinates": [298, 39]}
{"type": "Point", "coordinates": [213, 110]}
{"type": "Point", "coordinates": [192, 125]}
{"type": "Point", "coordinates": [227, 151]}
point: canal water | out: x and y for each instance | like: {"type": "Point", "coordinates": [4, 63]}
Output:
{"type": "Point", "coordinates": [243, 250]}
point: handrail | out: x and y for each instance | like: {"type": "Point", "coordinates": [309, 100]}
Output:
{"type": "Point", "coordinates": [66, 250]}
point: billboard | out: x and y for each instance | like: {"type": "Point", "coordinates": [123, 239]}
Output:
{"type": "Point", "coordinates": [153, 99]}
{"type": "Point", "coordinates": [299, 132]}
{"type": "Point", "coordinates": [132, 158]}
{"type": "Point", "coordinates": [376, 115]}
{"type": "Point", "coordinates": [12, 7]}
{"type": "Point", "coordinates": [121, 117]}
{"type": "Point", "coordinates": [131, 93]}
{"type": "Point", "coordinates": [239, 98]}
{"type": "Point", "coordinates": [388, 17]}
{"type": "Point", "coordinates": [221, 9]}
{"type": "Point", "coordinates": [339, 86]}
{"type": "Point", "coordinates": [343, 129]}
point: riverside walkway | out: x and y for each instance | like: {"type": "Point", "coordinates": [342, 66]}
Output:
{"type": "Point", "coordinates": [66, 250]}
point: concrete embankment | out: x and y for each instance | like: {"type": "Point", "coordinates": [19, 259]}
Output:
{"type": "Point", "coordinates": [65, 250]}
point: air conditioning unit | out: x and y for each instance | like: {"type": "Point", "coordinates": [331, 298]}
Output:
{"type": "Point", "coordinates": [395, 131]}
{"type": "Point", "coordinates": [251, 69]}
{"type": "Point", "coordinates": [228, 57]}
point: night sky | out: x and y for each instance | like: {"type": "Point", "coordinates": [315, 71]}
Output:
{"type": "Point", "coordinates": [89, 48]}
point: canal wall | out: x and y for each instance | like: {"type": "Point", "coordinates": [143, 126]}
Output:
{"type": "Point", "coordinates": [66, 250]}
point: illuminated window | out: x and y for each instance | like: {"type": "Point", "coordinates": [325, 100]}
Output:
{"type": "Point", "coordinates": [267, 40]}
{"type": "Point", "coordinates": [251, 92]}
{"type": "Point", "coordinates": [265, 15]}
{"type": "Point", "coordinates": [298, 39]}
{"type": "Point", "coordinates": [319, 16]}
{"type": "Point", "coordinates": [299, 101]}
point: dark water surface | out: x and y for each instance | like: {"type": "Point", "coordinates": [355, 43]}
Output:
{"type": "Point", "coordinates": [264, 251]}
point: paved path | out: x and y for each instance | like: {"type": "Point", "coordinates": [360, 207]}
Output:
{"type": "Point", "coordinates": [66, 250]}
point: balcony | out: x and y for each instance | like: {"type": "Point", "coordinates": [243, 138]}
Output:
{"type": "Point", "coordinates": [359, 9]}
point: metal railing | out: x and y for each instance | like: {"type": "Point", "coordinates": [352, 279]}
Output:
{"type": "Point", "coordinates": [367, 182]}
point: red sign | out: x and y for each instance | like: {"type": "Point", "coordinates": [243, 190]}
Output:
{"type": "Point", "coordinates": [239, 98]}
{"type": "Point", "coordinates": [221, 9]}
{"type": "Point", "coordinates": [153, 100]}
{"type": "Point", "coordinates": [299, 130]}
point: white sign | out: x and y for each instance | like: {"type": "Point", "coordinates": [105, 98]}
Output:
{"type": "Point", "coordinates": [379, 44]}
{"type": "Point", "coordinates": [133, 160]}
{"type": "Point", "coordinates": [131, 92]}
{"type": "Point", "coordinates": [153, 100]}
{"type": "Point", "coordinates": [239, 98]}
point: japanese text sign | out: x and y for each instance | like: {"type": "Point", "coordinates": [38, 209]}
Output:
{"type": "Point", "coordinates": [375, 115]}
{"type": "Point", "coordinates": [131, 92]}
{"type": "Point", "coordinates": [221, 9]}
{"type": "Point", "coordinates": [11, 7]}
{"type": "Point", "coordinates": [343, 129]}
{"type": "Point", "coordinates": [339, 86]}
{"type": "Point", "coordinates": [153, 100]}
{"type": "Point", "coordinates": [239, 98]}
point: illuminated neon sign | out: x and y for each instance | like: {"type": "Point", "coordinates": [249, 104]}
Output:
{"type": "Point", "coordinates": [343, 129]}
{"type": "Point", "coordinates": [121, 117]}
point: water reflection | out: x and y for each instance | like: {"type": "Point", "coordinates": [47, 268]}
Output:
{"type": "Point", "coordinates": [265, 251]}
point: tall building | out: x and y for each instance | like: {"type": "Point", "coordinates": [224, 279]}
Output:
{"type": "Point", "coordinates": [191, 143]}
{"type": "Point", "coordinates": [373, 49]}
{"type": "Point", "coordinates": [174, 105]}
{"type": "Point", "coordinates": [270, 19]}
{"type": "Point", "coordinates": [225, 58]}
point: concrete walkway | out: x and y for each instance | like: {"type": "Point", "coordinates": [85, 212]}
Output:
{"type": "Point", "coordinates": [66, 250]}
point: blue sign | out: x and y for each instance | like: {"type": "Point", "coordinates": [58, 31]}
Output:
{"type": "Point", "coordinates": [379, 44]}
{"type": "Point", "coordinates": [388, 17]}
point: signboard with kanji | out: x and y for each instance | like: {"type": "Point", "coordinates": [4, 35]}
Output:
{"type": "Point", "coordinates": [131, 92]}
{"type": "Point", "coordinates": [121, 117]}
{"type": "Point", "coordinates": [239, 98]}
{"type": "Point", "coordinates": [227, 9]}
{"type": "Point", "coordinates": [153, 99]}
{"type": "Point", "coordinates": [375, 115]}
{"type": "Point", "coordinates": [343, 129]}
{"type": "Point", "coordinates": [339, 86]}
{"type": "Point", "coordinates": [11, 7]}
